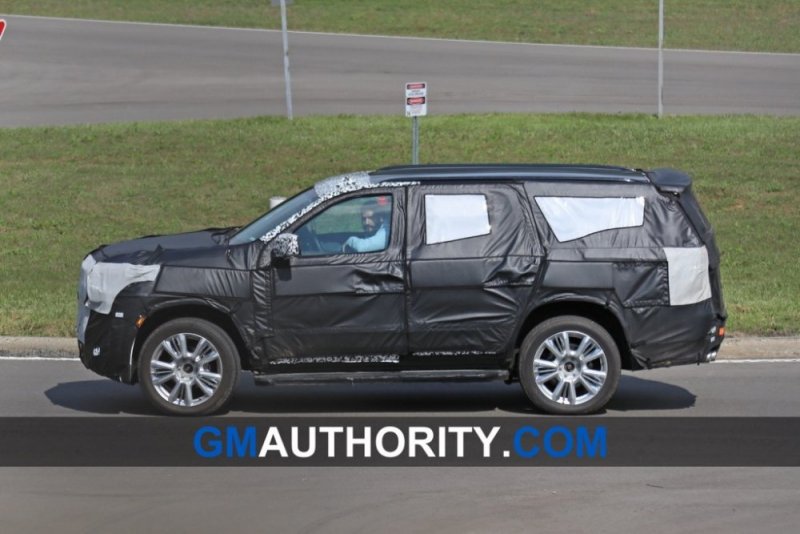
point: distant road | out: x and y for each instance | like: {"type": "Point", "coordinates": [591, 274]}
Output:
{"type": "Point", "coordinates": [60, 71]}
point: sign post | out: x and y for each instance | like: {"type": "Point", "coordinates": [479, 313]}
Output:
{"type": "Point", "coordinates": [416, 106]}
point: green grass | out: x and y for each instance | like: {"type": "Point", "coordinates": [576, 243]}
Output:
{"type": "Point", "coordinates": [66, 190]}
{"type": "Point", "coordinates": [760, 25]}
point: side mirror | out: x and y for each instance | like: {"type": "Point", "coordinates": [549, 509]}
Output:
{"type": "Point", "coordinates": [284, 246]}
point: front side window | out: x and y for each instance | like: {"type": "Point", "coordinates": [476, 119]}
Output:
{"type": "Point", "coordinates": [357, 225]}
{"type": "Point", "coordinates": [575, 217]}
{"type": "Point", "coordinates": [454, 217]}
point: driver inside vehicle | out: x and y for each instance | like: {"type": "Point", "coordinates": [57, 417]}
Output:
{"type": "Point", "coordinates": [376, 232]}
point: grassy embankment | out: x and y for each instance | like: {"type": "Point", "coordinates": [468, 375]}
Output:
{"type": "Point", "coordinates": [68, 189]}
{"type": "Point", "coordinates": [756, 25]}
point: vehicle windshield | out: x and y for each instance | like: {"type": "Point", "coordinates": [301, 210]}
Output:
{"type": "Point", "coordinates": [274, 217]}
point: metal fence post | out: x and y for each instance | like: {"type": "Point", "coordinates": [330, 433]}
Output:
{"type": "Point", "coordinates": [286, 76]}
{"type": "Point", "coordinates": [660, 58]}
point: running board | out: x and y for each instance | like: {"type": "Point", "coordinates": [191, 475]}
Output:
{"type": "Point", "coordinates": [294, 379]}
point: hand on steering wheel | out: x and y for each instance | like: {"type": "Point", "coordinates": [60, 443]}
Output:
{"type": "Point", "coordinates": [309, 240]}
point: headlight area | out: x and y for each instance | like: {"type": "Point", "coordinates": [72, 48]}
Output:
{"type": "Point", "coordinates": [108, 342]}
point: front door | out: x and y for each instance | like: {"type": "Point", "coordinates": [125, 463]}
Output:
{"type": "Point", "coordinates": [340, 304]}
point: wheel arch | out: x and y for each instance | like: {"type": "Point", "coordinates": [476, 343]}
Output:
{"type": "Point", "coordinates": [594, 311]}
{"type": "Point", "coordinates": [190, 309]}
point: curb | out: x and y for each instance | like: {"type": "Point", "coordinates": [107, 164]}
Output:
{"type": "Point", "coordinates": [738, 348]}
{"type": "Point", "coordinates": [39, 347]}
{"type": "Point", "coordinates": [734, 348]}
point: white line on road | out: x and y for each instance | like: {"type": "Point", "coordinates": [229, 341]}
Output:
{"type": "Point", "coordinates": [412, 38]}
{"type": "Point", "coordinates": [765, 360]}
{"type": "Point", "coordinates": [38, 359]}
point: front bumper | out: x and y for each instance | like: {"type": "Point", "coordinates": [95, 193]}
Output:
{"type": "Point", "coordinates": [109, 343]}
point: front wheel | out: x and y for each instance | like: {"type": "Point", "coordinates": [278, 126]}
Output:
{"type": "Point", "coordinates": [188, 367]}
{"type": "Point", "coordinates": [569, 365]}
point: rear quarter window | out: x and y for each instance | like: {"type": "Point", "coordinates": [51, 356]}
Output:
{"type": "Point", "coordinates": [575, 217]}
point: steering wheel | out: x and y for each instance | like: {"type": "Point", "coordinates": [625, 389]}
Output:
{"type": "Point", "coordinates": [309, 242]}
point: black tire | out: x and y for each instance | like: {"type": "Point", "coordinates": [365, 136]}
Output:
{"type": "Point", "coordinates": [577, 369]}
{"type": "Point", "coordinates": [196, 368]}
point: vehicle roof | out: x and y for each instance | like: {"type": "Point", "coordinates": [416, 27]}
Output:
{"type": "Point", "coordinates": [510, 171]}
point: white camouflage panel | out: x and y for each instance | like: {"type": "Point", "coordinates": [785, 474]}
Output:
{"type": "Point", "coordinates": [688, 275]}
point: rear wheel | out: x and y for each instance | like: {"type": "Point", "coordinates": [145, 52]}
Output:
{"type": "Point", "coordinates": [188, 367]}
{"type": "Point", "coordinates": [569, 365]}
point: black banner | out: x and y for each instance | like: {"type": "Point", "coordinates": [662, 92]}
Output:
{"type": "Point", "coordinates": [395, 441]}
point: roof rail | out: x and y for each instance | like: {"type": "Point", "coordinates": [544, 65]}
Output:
{"type": "Point", "coordinates": [511, 171]}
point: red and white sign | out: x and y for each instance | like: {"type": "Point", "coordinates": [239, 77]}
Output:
{"type": "Point", "coordinates": [416, 99]}
{"type": "Point", "coordinates": [2, 27]}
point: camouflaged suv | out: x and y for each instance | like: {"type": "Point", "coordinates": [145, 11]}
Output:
{"type": "Point", "coordinates": [556, 276]}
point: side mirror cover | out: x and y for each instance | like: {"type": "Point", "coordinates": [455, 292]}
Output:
{"type": "Point", "coordinates": [285, 246]}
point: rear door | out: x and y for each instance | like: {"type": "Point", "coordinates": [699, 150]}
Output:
{"type": "Point", "coordinates": [472, 260]}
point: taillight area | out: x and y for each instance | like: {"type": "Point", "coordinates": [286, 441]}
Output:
{"type": "Point", "coordinates": [715, 337]}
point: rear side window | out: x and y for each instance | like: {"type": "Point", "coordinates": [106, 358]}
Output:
{"type": "Point", "coordinates": [576, 217]}
{"type": "Point", "coordinates": [454, 217]}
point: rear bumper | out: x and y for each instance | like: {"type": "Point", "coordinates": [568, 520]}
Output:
{"type": "Point", "coordinates": [675, 335]}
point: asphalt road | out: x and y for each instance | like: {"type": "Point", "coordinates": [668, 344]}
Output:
{"type": "Point", "coordinates": [401, 500]}
{"type": "Point", "coordinates": [575, 500]}
{"type": "Point", "coordinates": [55, 71]}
